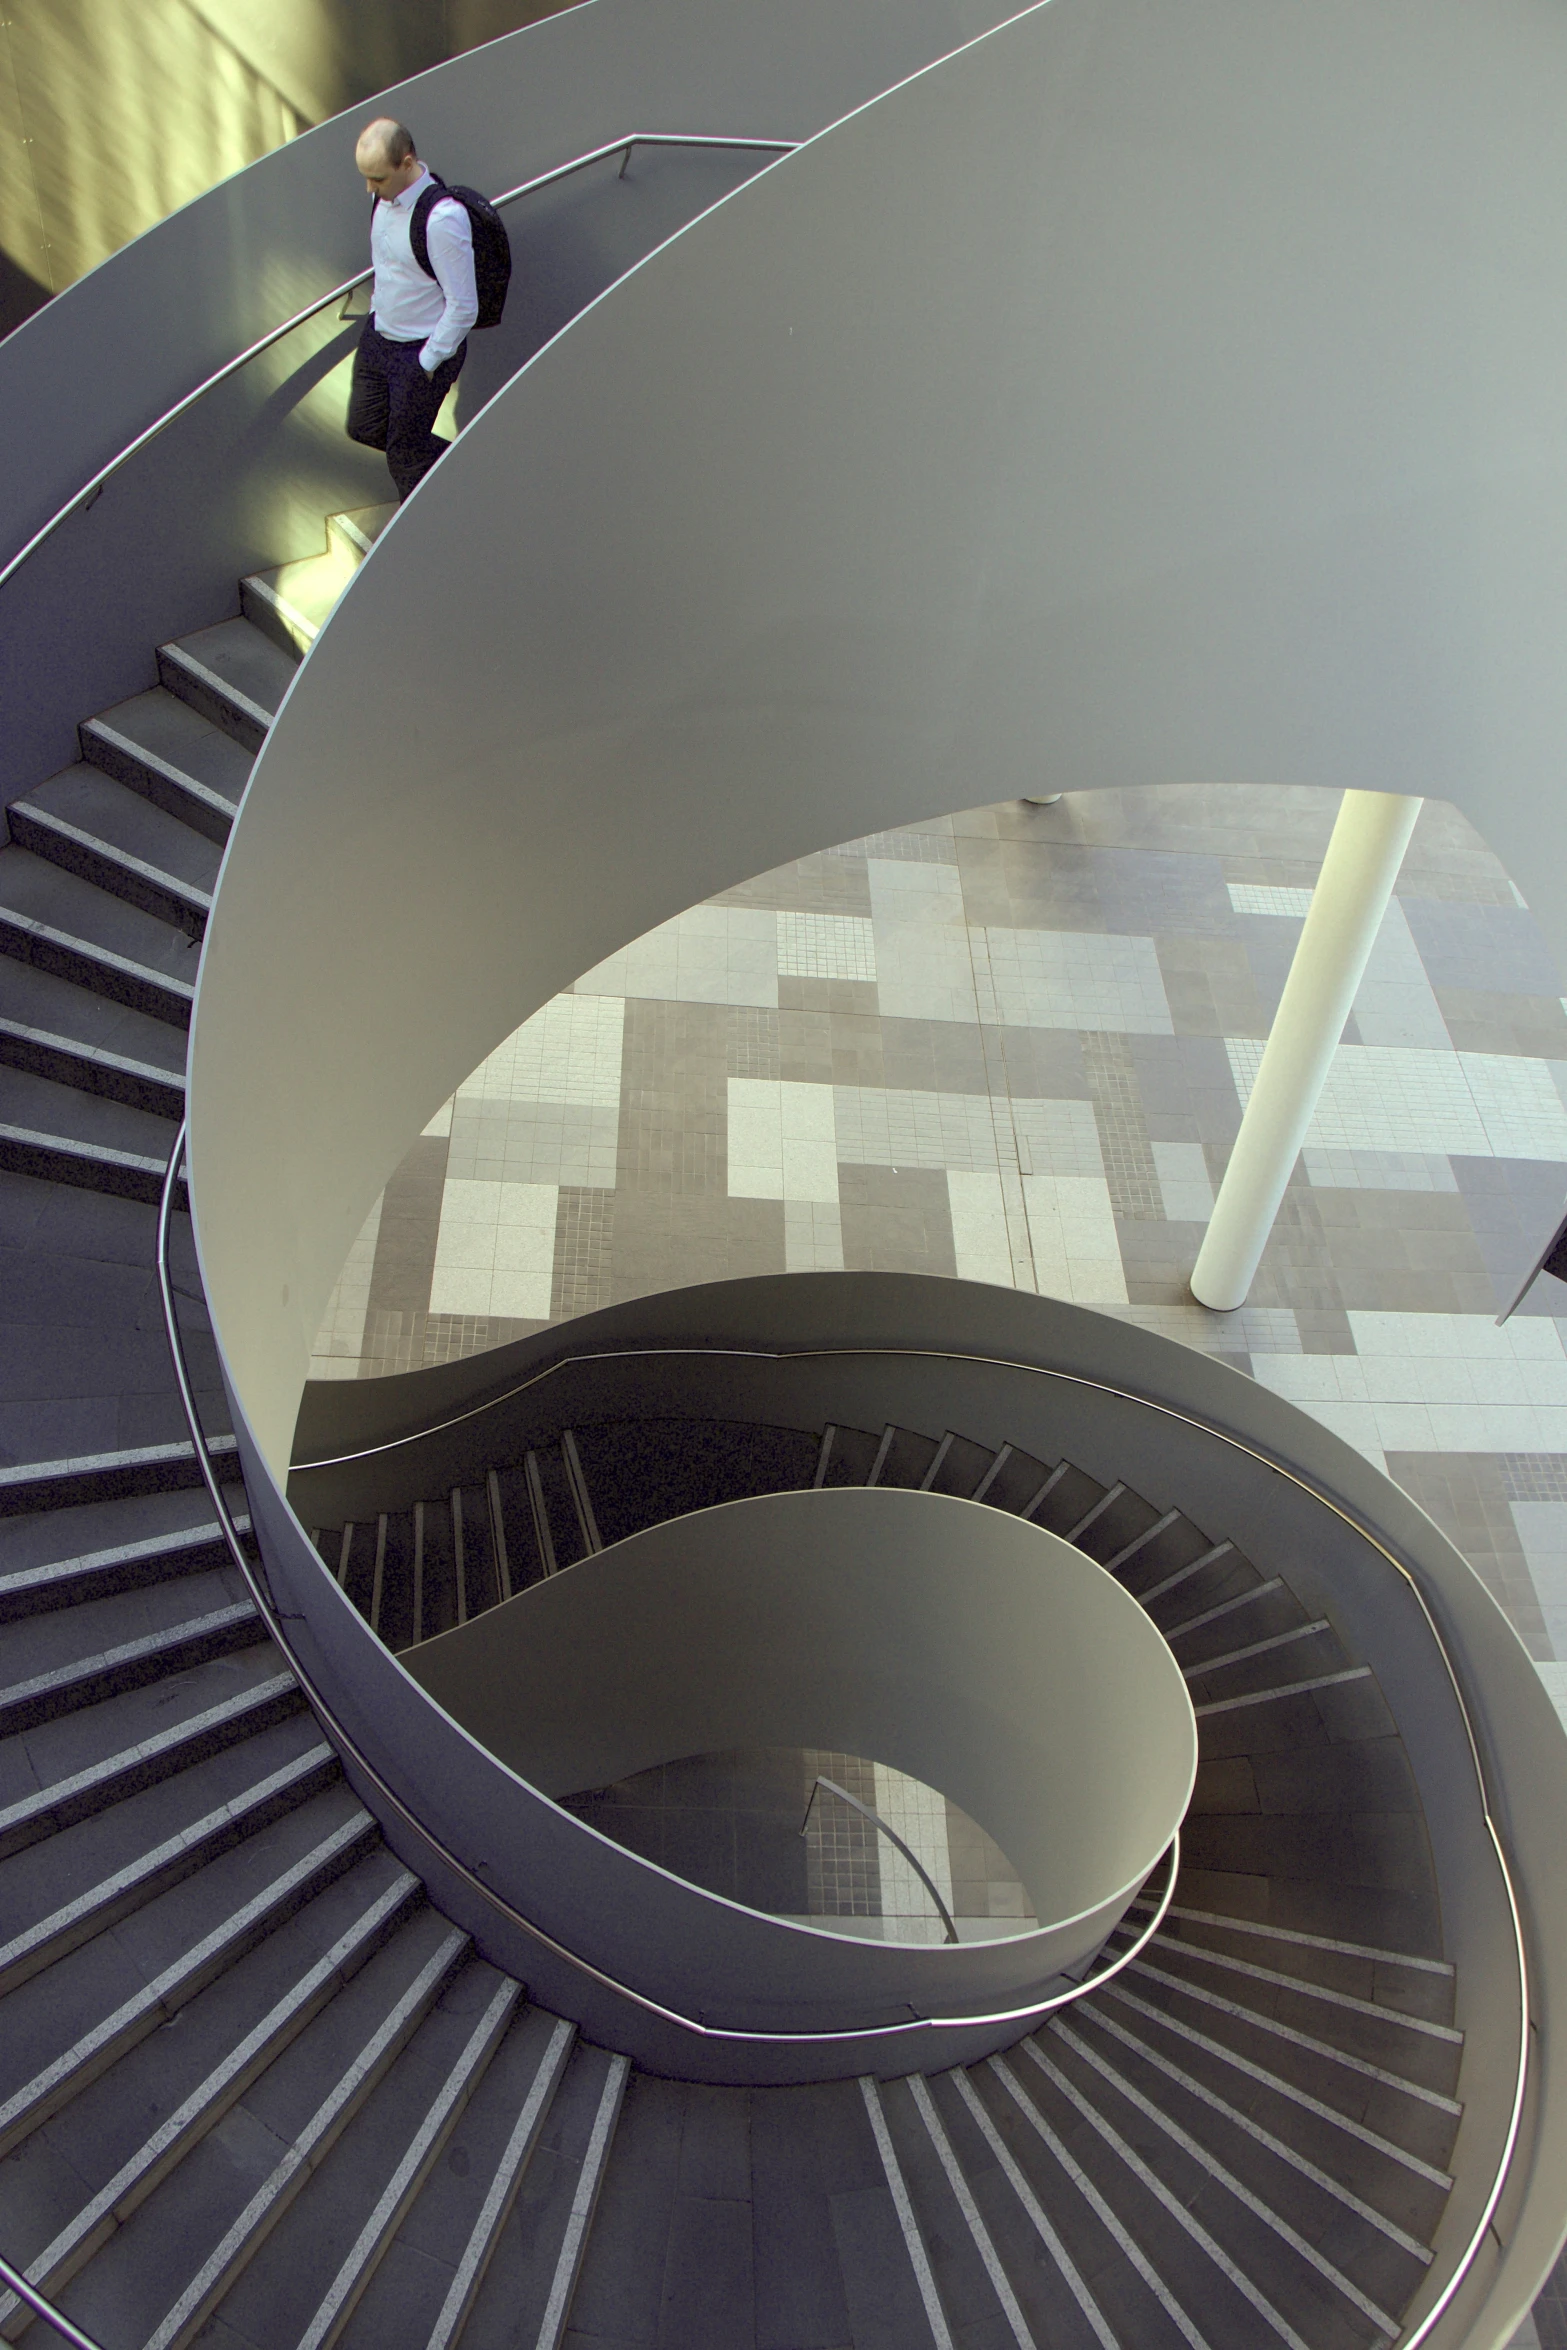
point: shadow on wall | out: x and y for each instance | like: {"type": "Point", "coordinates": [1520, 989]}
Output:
{"type": "Point", "coordinates": [114, 113]}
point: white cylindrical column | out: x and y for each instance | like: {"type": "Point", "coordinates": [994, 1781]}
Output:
{"type": "Point", "coordinates": [1347, 906]}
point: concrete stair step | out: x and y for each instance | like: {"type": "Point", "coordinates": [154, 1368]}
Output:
{"type": "Point", "coordinates": [168, 2269]}
{"type": "Point", "coordinates": [66, 2027]}
{"type": "Point", "coordinates": [107, 1476]}
{"type": "Point", "coordinates": [232, 674]}
{"type": "Point", "coordinates": [431, 2272]}
{"type": "Point", "coordinates": [291, 603]}
{"type": "Point", "coordinates": [86, 822]}
{"type": "Point", "coordinates": [90, 1069]}
{"type": "Point", "coordinates": [50, 1784]}
{"type": "Point", "coordinates": [178, 760]}
{"type": "Point", "coordinates": [59, 1893]}
{"type": "Point", "coordinates": [307, 2280]}
{"type": "Point", "coordinates": [108, 2150]}
{"type": "Point", "coordinates": [77, 1656]}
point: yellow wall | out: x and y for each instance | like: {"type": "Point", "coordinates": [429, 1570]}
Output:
{"type": "Point", "coordinates": [114, 112]}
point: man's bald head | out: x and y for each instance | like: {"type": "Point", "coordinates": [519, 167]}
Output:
{"type": "Point", "coordinates": [385, 157]}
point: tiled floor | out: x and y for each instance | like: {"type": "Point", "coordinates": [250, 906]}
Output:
{"type": "Point", "coordinates": [1014, 1045]}
{"type": "Point", "coordinates": [756, 1825]}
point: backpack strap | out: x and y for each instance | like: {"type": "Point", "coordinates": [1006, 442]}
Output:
{"type": "Point", "coordinates": [419, 225]}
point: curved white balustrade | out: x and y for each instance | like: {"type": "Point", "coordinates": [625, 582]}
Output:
{"type": "Point", "coordinates": [1141, 395]}
{"type": "Point", "coordinates": [1084, 408]}
{"type": "Point", "coordinates": [983, 1656]}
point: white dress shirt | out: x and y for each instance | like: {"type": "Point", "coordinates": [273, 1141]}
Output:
{"type": "Point", "coordinates": [409, 307]}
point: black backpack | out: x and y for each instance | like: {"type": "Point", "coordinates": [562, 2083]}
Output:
{"type": "Point", "coordinates": [491, 245]}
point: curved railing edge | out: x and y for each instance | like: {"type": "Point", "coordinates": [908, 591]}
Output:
{"type": "Point", "coordinates": [89, 490]}
{"type": "Point", "coordinates": [16, 2282]}
{"type": "Point", "coordinates": [1410, 2340]}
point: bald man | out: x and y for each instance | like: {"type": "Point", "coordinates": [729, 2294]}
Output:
{"type": "Point", "coordinates": [415, 338]}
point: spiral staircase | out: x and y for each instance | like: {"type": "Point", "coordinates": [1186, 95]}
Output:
{"type": "Point", "coordinates": [319, 2023]}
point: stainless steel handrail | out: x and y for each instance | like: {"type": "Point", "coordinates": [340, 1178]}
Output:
{"type": "Point", "coordinates": [1421, 2332]}
{"type": "Point", "coordinates": [89, 490]}
{"type": "Point", "coordinates": [276, 1619]}
{"type": "Point", "coordinates": [892, 1836]}
{"type": "Point", "coordinates": [41, 2306]}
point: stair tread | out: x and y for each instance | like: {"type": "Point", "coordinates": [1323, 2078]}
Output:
{"type": "Point", "coordinates": [55, 2026]}
{"type": "Point", "coordinates": [51, 1006]}
{"type": "Point", "coordinates": [449, 2224]}
{"type": "Point", "coordinates": [105, 2144]}
{"type": "Point", "coordinates": [41, 1105]}
{"type": "Point", "coordinates": [284, 2288]}
{"type": "Point", "coordinates": [44, 893]}
{"type": "Point", "coordinates": [65, 1766]}
{"type": "Point", "coordinates": [308, 587]}
{"type": "Point", "coordinates": [175, 2245]}
{"type": "Point", "coordinates": [363, 525]}
{"type": "Point", "coordinates": [166, 730]}
{"type": "Point", "coordinates": [84, 796]}
{"type": "Point", "coordinates": [242, 659]}
{"type": "Point", "coordinates": [82, 1869]}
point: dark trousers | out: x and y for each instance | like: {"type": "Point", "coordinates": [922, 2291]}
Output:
{"type": "Point", "coordinates": [392, 404]}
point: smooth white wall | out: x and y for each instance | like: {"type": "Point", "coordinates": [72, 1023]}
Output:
{"type": "Point", "coordinates": [1144, 395]}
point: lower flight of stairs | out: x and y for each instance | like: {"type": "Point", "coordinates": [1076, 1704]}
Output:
{"type": "Point", "coordinates": [254, 2088]}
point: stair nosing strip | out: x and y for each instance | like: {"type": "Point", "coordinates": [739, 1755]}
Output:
{"type": "Point", "coordinates": [1276, 2083]}
{"type": "Point", "coordinates": [153, 1995]}
{"type": "Point", "coordinates": [127, 1554]}
{"type": "Point", "coordinates": [230, 1813]}
{"type": "Point", "coordinates": [198, 901]}
{"type": "Point", "coordinates": [116, 2198]}
{"type": "Point", "coordinates": [1227, 1705]}
{"type": "Point", "coordinates": [114, 1766]}
{"type": "Point", "coordinates": [1184, 2219]}
{"type": "Point", "coordinates": [1240, 1656]}
{"type": "Point", "coordinates": [1209, 2162]}
{"type": "Point", "coordinates": [1210, 1917]}
{"type": "Point", "coordinates": [270, 2199]}
{"type": "Point", "coordinates": [84, 1464]}
{"type": "Point", "coordinates": [96, 1055]}
{"type": "Point", "coordinates": [1226, 1607]}
{"type": "Point", "coordinates": [590, 2178]}
{"type": "Point", "coordinates": [515, 2155]}
{"type": "Point", "coordinates": [232, 694]}
{"type": "Point", "coordinates": [903, 2206]}
{"type": "Point", "coordinates": [164, 766]}
{"type": "Point", "coordinates": [963, 2196]}
{"type": "Point", "coordinates": [1276, 2146]}
{"type": "Point", "coordinates": [1039, 2218]}
{"type": "Point", "coordinates": [105, 1660]}
{"type": "Point", "coordinates": [91, 952]}
{"type": "Point", "coordinates": [1310, 1990]}
{"type": "Point", "coordinates": [1287, 2032]}
{"type": "Point", "coordinates": [1104, 2212]}
{"type": "Point", "coordinates": [442, 2112]}
{"type": "Point", "coordinates": [88, 1153]}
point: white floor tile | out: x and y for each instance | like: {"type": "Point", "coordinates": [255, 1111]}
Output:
{"type": "Point", "coordinates": [1078, 979]}
{"type": "Point", "coordinates": [1184, 1181]}
{"type": "Point", "coordinates": [1396, 1098]}
{"type": "Point", "coordinates": [981, 1244]}
{"type": "Point", "coordinates": [813, 1236]}
{"type": "Point", "coordinates": [495, 1251]}
{"type": "Point", "coordinates": [782, 1140]}
{"type": "Point", "coordinates": [1071, 1227]}
{"type": "Point", "coordinates": [826, 946]}
{"type": "Point", "coordinates": [568, 1052]}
